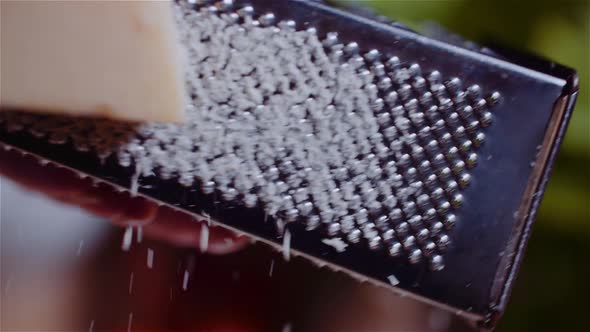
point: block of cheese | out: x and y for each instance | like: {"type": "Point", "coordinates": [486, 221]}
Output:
{"type": "Point", "coordinates": [116, 59]}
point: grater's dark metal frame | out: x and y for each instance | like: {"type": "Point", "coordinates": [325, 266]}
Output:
{"type": "Point", "coordinates": [500, 206]}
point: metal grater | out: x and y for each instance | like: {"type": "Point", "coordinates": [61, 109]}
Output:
{"type": "Point", "coordinates": [402, 160]}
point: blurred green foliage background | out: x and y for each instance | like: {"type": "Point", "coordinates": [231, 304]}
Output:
{"type": "Point", "coordinates": [552, 292]}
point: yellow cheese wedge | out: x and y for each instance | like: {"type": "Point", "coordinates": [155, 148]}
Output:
{"type": "Point", "coordinates": [117, 59]}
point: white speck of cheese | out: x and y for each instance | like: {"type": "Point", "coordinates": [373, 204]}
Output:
{"type": "Point", "coordinates": [287, 245]}
{"type": "Point", "coordinates": [393, 280]}
{"type": "Point", "coordinates": [336, 243]}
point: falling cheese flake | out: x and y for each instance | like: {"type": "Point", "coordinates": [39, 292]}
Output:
{"type": "Point", "coordinates": [131, 283]}
{"type": "Point", "coordinates": [127, 239]}
{"type": "Point", "coordinates": [287, 245]}
{"type": "Point", "coordinates": [336, 243]}
{"type": "Point", "coordinates": [204, 242]}
{"type": "Point", "coordinates": [130, 322]}
{"type": "Point", "coordinates": [393, 280]}
{"type": "Point", "coordinates": [150, 258]}
{"type": "Point", "coordinates": [208, 217]}
{"type": "Point", "coordinates": [272, 267]}
{"type": "Point", "coordinates": [135, 182]}
{"type": "Point", "coordinates": [185, 280]}
{"type": "Point", "coordinates": [139, 234]}
{"type": "Point", "coordinates": [287, 327]}
{"type": "Point", "coordinates": [80, 245]}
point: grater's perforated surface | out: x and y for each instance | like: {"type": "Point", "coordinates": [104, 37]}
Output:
{"type": "Point", "coordinates": [362, 147]}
